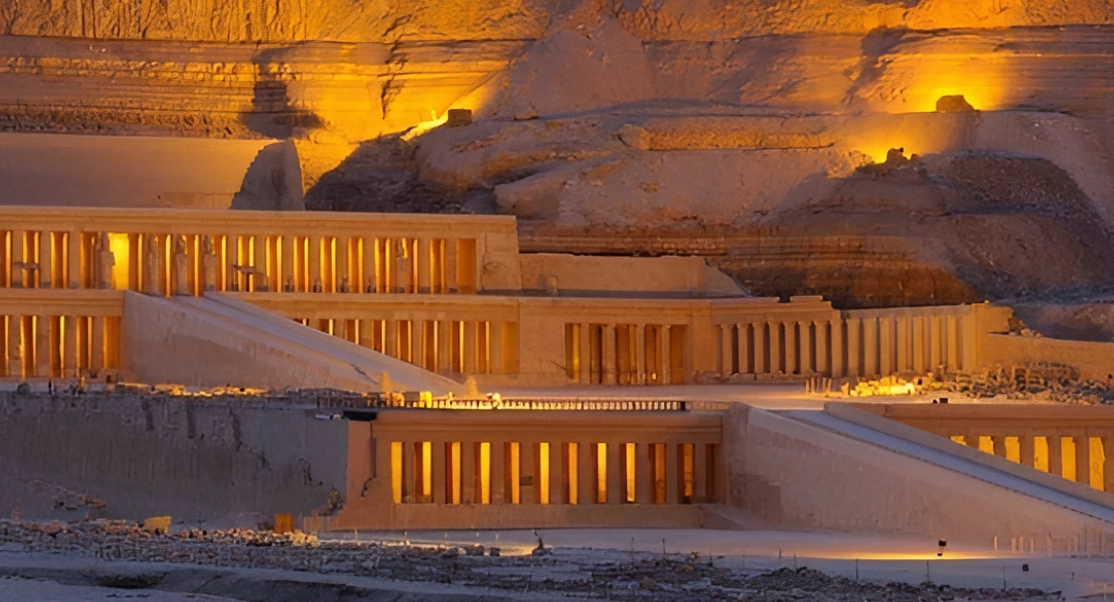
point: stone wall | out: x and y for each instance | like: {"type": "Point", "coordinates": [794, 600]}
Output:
{"type": "Point", "coordinates": [209, 461]}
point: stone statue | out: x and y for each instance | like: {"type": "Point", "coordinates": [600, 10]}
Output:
{"type": "Point", "coordinates": [288, 286]}
{"type": "Point", "coordinates": [317, 286]}
{"type": "Point", "coordinates": [402, 261]}
{"type": "Point", "coordinates": [209, 263]}
{"type": "Point", "coordinates": [151, 265]}
{"type": "Point", "coordinates": [106, 260]}
{"type": "Point", "coordinates": [181, 266]}
{"type": "Point", "coordinates": [345, 287]}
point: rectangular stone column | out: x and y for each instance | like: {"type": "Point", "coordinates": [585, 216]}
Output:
{"type": "Point", "coordinates": [919, 365]}
{"type": "Point", "coordinates": [451, 266]}
{"type": "Point", "coordinates": [726, 357]}
{"type": "Point", "coordinates": [417, 343]}
{"type": "Point", "coordinates": [498, 472]}
{"type": "Point", "coordinates": [666, 356]}
{"type": "Point", "coordinates": [342, 277]}
{"type": "Point", "coordinates": [902, 337]}
{"type": "Point", "coordinates": [886, 351]}
{"type": "Point", "coordinates": [616, 492]}
{"type": "Point", "coordinates": [259, 280]}
{"type": "Point", "coordinates": [73, 259]}
{"type": "Point", "coordinates": [43, 349]}
{"type": "Point", "coordinates": [775, 347]}
{"type": "Point", "coordinates": [792, 361]}
{"type": "Point", "coordinates": [822, 347]}
{"type": "Point", "coordinates": [1083, 459]}
{"type": "Point", "coordinates": [870, 347]}
{"type": "Point", "coordinates": [968, 339]}
{"type": "Point", "coordinates": [313, 262]}
{"type": "Point", "coordinates": [999, 446]}
{"type": "Point", "coordinates": [839, 368]}
{"type": "Point", "coordinates": [585, 354]}
{"type": "Point", "coordinates": [699, 473]}
{"type": "Point", "coordinates": [672, 474]}
{"type": "Point", "coordinates": [761, 349]}
{"type": "Point", "coordinates": [15, 347]}
{"type": "Point", "coordinates": [557, 492]}
{"type": "Point", "coordinates": [423, 258]}
{"type": "Point", "coordinates": [69, 347]}
{"type": "Point", "coordinates": [642, 484]}
{"type": "Point", "coordinates": [495, 360]}
{"type": "Point", "coordinates": [1108, 464]}
{"type": "Point", "coordinates": [607, 359]}
{"type": "Point", "coordinates": [96, 360]}
{"type": "Point", "coordinates": [640, 353]}
{"type": "Point", "coordinates": [854, 352]}
{"type": "Point", "coordinates": [46, 260]}
{"type": "Point", "coordinates": [805, 330]}
{"type": "Point", "coordinates": [1055, 455]}
{"type": "Point", "coordinates": [1025, 443]}
{"type": "Point", "coordinates": [409, 495]}
{"type": "Point", "coordinates": [17, 257]}
{"type": "Point", "coordinates": [935, 342]}
{"type": "Point", "coordinates": [390, 346]}
{"type": "Point", "coordinates": [444, 346]}
{"type": "Point", "coordinates": [953, 342]}
{"type": "Point", "coordinates": [586, 472]}
{"type": "Point", "coordinates": [286, 276]}
{"type": "Point", "coordinates": [470, 347]}
{"type": "Point", "coordinates": [470, 473]}
{"type": "Point", "coordinates": [743, 358]}
{"type": "Point", "coordinates": [528, 455]}
{"type": "Point", "coordinates": [439, 483]}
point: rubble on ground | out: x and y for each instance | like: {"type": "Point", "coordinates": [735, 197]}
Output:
{"type": "Point", "coordinates": [656, 577]}
{"type": "Point", "coordinates": [1035, 382]}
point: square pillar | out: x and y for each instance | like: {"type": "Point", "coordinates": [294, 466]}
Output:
{"type": "Point", "coordinates": [43, 349]}
{"type": "Point", "coordinates": [607, 352]}
{"type": "Point", "coordinates": [666, 356]}
{"type": "Point", "coordinates": [391, 346]}
{"type": "Point", "coordinates": [417, 343]}
{"type": "Point", "coordinates": [886, 347]}
{"type": "Point", "coordinates": [259, 279]}
{"type": "Point", "coordinates": [700, 467]}
{"type": "Point", "coordinates": [743, 357]}
{"type": "Point", "coordinates": [1083, 459]}
{"type": "Point", "coordinates": [16, 257]}
{"type": "Point", "coordinates": [968, 338]}
{"type": "Point", "coordinates": [726, 357]}
{"type": "Point", "coordinates": [640, 353]}
{"type": "Point", "coordinates": [425, 261]}
{"type": "Point", "coordinates": [451, 283]}
{"type": "Point", "coordinates": [775, 347]}
{"type": "Point", "coordinates": [97, 358]}
{"type": "Point", "coordinates": [672, 474]}
{"type": "Point", "coordinates": [470, 347]}
{"type": "Point", "coordinates": [73, 259]}
{"type": "Point", "coordinates": [805, 330]}
{"type": "Point", "coordinates": [528, 472]}
{"type": "Point", "coordinates": [1055, 455]}
{"type": "Point", "coordinates": [495, 343]}
{"type": "Point", "coordinates": [761, 348]}
{"type": "Point", "coordinates": [313, 262]}
{"type": "Point", "coordinates": [616, 492]}
{"type": "Point", "coordinates": [792, 363]}
{"type": "Point", "coordinates": [642, 485]}
{"type": "Point", "coordinates": [586, 472]}
{"type": "Point", "coordinates": [854, 355]}
{"type": "Point", "coordinates": [439, 481]}
{"type": "Point", "coordinates": [1108, 464]}
{"type": "Point", "coordinates": [935, 342]}
{"type": "Point", "coordinates": [822, 349]}
{"type": "Point", "coordinates": [919, 365]}
{"type": "Point", "coordinates": [870, 347]}
{"type": "Point", "coordinates": [838, 348]}
{"type": "Point", "coordinates": [409, 495]}
{"type": "Point", "coordinates": [585, 354]}
{"type": "Point", "coordinates": [69, 347]}
{"type": "Point", "coordinates": [953, 342]}
{"type": "Point", "coordinates": [285, 276]}
{"type": "Point", "coordinates": [1025, 442]}
{"type": "Point", "coordinates": [999, 446]}
{"type": "Point", "coordinates": [497, 471]}
{"type": "Point", "coordinates": [444, 347]}
{"type": "Point", "coordinates": [15, 346]}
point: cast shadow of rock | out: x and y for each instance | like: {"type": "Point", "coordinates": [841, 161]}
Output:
{"type": "Point", "coordinates": [274, 113]}
{"type": "Point", "coordinates": [273, 181]}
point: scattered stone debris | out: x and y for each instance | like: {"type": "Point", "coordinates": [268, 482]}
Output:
{"type": "Point", "coordinates": [654, 577]}
{"type": "Point", "coordinates": [1035, 382]}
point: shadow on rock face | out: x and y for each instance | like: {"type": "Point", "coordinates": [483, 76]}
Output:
{"type": "Point", "coordinates": [273, 181]}
{"type": "Point", "coordinates": [381, 176]}
{"type": "Point", "coordinates": [273, 113]}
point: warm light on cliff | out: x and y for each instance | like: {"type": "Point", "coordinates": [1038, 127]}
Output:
{"type": "Point", "coordinates": [979, 80]}
{"type": "Point", "coordinates": [120, 247]}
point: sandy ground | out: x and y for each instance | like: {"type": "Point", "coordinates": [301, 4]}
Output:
{"type": "Point", "coordinates": [17, 588]}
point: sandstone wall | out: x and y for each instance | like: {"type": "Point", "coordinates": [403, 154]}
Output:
{"type": "Point", "coordinates": [205, 461]}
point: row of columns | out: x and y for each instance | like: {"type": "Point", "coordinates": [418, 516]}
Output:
{"type": "Point", "coordinates": [1089, 452]}
{"type": "Point", "coordinates": [645, 354]}
{"type": "Point", "coordinates": [57, 346]}
{"type": "Point", "coordinates": [190, 264]}
{"type": "Point", "coordinates": [442, 346]}
{"type": "Point", "coordinates": [535, 472]}
{"type": "Point", "coordinates": [855, 346]}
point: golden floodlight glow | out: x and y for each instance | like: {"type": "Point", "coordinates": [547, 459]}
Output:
{"type": "Point", "coordinates": [978, 79]}
{"type": "Point", "coordinates": [120, 247]}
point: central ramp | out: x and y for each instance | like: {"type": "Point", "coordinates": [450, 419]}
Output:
{"type": "Point", "coordinates": [216, 341]}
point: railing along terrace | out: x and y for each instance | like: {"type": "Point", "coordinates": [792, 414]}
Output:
{"type": "Point", "coordinates": [190, 251]}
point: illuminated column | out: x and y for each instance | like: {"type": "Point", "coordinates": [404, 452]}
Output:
{"type": "Point", "coordinates": [496, 361]}
{"type": "Point", "coordinates": [231, 259]}
{"type": "Point", "coordinates": [918, 345]}
{"type": "Point", "coordinates": [313, 262]}
{"type": "Point", "coordinates": [96, 360]}
{"type": "Point", "coordinates": [743, 357]}
{"type": "Point", "coordinates": [999, 445]}
{"type": "Point", "coordinates": [700, 473]}
{"type": "Point", "coordinates": [822, 365]}
{"type": "Point", "coordinates": [761, 347]}
{"type": "Point", "coordinates": [439, 482]}
{"type": "Point", "coordinates": [585, 354]}
{"type": "Point", "coordinates": [870, 347]}
{"type": "Point", "coordinates": [586, 472]}
{"type": "Point", "coordinates": [1055, 455]}
{"type": "Point", "coordinates": [73, 259]}
{"type": "Point", "coordinates": [366, 328]}
{"type": "Point", "coordinates": [642, 474]}
{"type": "Point", "coordinates": [259, 277]}
{"type": "Point", "coordinates": [666, 356]}
{"type": "Point", "coordinates": [1108, 464]}
{"type": "Point", "coordinates": [854, 332]}
{"type": "Point", "coordinates": [953, 342]}
{"type": "Point", "coordinates": [838, 367]}
{"type": "Point", "coordinates": [417, 344]}
{"type": "Point", "coordinates": [726, 363]}
{"type": "Point", "coordinates": [607, 347]}
{"type": "Point", "coordinates": [390, 347]}
{"type": "Point", "coordinates": [450, 266]}
{"type": "Point", "coordinates": [935, 342]}
{"type": "Point", "coordinates": [469, 477]}
{"type": "Point", "coordinates": [69, 347]}
{"type": "Point", "coordinates": [469, 359]}
{"type": "Point", "coordinates": [968, 339]}
{"type": "Point", "coordinates": [557, 493]}
{"type": "Point", "coordinates": [498, 473]}
{"type": "Point", "coordinates": [1025, 443]}
{"type": "Point", "coordinates": [1083, 459]}
{"type": "Point", "coordinates": [15, 347]}
{"type": "Point", "coordinates": [886, 336]}
{"type": "Point", "coordinates": [616, 493]}
{"type": "Point", "coordinates": [342, 277]}
{"type": "Point", "coordinates": [791, 363]}
{"type": "Point", "coordinates": [424, 261]}
{"type": "Point", "coordinates": [46, 260]}
{"type": "Point", "coordinates": [640, 354]}
{"type": "Point", "coordinates": [672, 474]}
{"type": "Point", "coordinates": [902, 344]}
{"type": "Point", "coordinates": [17, 258]}
{"type": "Point", "coordinates": [444, 347]}
{"type": "Point", "coordinates": [286, 274]}
{"type": "Point", "coordinates": [42, 346]}
{"type": "Point", "coordinates": [409, 495]}
{"type": "Point", "coordinates": [775, 347]}
{"type": "Point", "coordinates": [805, 330]}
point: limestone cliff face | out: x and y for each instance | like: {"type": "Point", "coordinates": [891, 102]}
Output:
{"type": "Point", "coordinates": [388, 20]}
